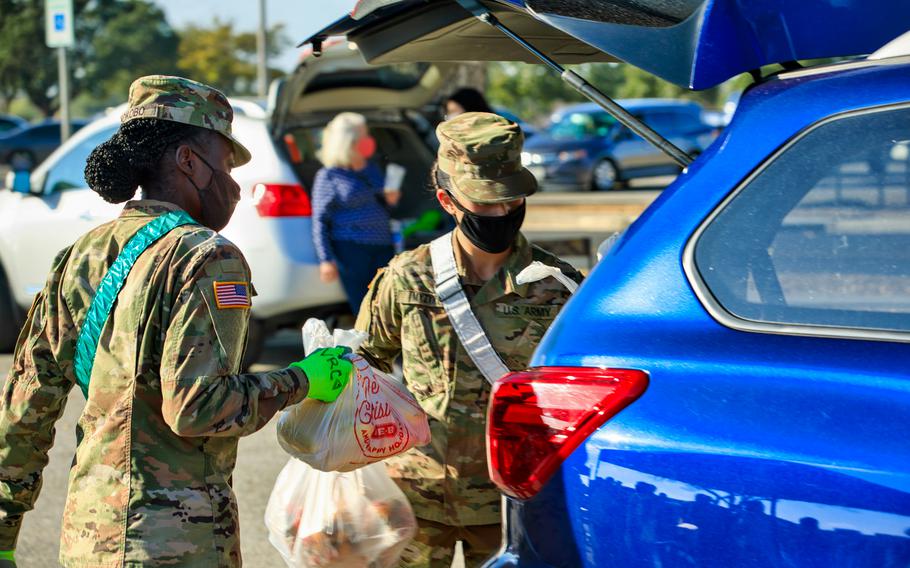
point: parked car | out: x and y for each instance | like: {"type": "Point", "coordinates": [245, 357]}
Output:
{"type": "Point", "coordinates": [271, 225]}
{"type": "Point", "coordinates": [527, 129]}
{"type": "Point", "coordinates": [585, 148]}
{"type": "Point", "coordinates": [729, 387]}
{"type": "Point", "coordinates": [8, 123]}
{"type": "Point", "coordinates": [26, 147]}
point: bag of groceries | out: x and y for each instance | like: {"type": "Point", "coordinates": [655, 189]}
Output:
{"type": "Point", "coordinates": [375, 416]}
{"type": "Point", "coordinates": [322, 519]}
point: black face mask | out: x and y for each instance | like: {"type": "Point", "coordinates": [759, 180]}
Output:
{"type": "Point", "coordinates": [218, 198]}
{"type": "Point", "coordinates": [490, 234]}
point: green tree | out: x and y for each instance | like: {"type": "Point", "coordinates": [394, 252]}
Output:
{"type": "Point", "coordinates": [533, 91]}
{"type": "Point", "coordinates": [131, 39]}
{"type": "Point", "coordinates": [116, 41]}
{"type": "Point", "coordinates": [225, 58]}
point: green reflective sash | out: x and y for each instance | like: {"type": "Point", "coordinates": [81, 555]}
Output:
{"type": "Point", "coordinates": [110, 286]}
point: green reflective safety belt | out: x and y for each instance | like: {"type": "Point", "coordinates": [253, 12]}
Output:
{"type": "Point", "coordinates": [110, 286]}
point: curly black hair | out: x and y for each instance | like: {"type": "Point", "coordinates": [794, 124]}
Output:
{"type": "Point", "coordinates": [133, 155]}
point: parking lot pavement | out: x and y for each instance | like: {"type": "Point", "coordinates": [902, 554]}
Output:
{"type": "Point", "coordinates": [259, 460]}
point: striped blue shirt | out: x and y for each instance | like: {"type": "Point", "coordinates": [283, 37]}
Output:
{"type": "Point", "coordinates": [349, 206]}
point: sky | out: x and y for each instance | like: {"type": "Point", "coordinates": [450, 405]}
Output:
{"type": "Point", "coordinates": [301, 18]}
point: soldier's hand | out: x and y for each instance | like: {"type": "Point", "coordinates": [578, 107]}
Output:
{"type": "Point", "coordinates": [7, 559]}
{"type": "Point", "coordinates": [327, 371]}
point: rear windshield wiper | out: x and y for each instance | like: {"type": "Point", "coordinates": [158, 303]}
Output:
{"type": "Point", "coordinates": [579, 83]}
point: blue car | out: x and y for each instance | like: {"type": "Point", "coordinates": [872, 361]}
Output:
{"type": "Point", "coordinates": [731, 385]}
{"type": "Point", "coordinates": [585, 148]}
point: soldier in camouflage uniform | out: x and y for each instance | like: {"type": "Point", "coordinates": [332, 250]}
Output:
{"type": "Point", "coordinates": [480, 181]}
{"type": "Point", "coordinates": [150, 484]}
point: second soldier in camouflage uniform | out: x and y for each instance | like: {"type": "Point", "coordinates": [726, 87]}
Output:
{"type": "Point", "coordinates": [150, 484]}
{"type": "Point", "coordinates": [480, 181]}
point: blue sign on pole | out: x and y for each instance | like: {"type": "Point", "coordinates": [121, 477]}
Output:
{"type": "Point", "coordinates": [58, 29]}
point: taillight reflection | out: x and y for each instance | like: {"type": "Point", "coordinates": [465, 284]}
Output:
{"type": "Point", "coordinates": [281, 200]}
{"type": "Point", "coordinates": [538, 417]}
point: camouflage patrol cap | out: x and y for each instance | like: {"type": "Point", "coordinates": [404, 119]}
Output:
{"type": "Point", "coordinates": [481, 152]}
{"type": "Point", "coordinates": [182, 100]}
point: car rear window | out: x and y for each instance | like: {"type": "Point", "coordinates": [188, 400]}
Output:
{"type": "Point", "coordinates": [398, 76]}
{"type": "Point", "coordinates": [821, 236]}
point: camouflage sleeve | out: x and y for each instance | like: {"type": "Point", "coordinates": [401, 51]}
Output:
{"type": "Point", "coordinates": [203, 392]}
{"type": "Point", "coordinates": [32, 400]}
{"type": "Point", "coordinates": [380, 317]}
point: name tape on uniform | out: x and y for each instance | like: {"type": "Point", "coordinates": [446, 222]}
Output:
{"type": "Point", "coordinates": [527, 311]}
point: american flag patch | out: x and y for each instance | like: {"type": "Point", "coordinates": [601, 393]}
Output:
{"type": "Point", "coordinates": [232, 295]}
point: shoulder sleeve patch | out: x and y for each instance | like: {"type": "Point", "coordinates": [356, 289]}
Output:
{"type": "Point", "coordinates": [232, 295]}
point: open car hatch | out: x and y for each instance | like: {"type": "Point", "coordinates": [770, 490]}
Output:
{"type": "Point", "coordinates": [696, 44]}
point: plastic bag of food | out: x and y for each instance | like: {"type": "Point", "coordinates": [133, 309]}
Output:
{"type": "Point", "coordinates": [322, 519]}
{"type": "Point", "coordinates": [375, 416]}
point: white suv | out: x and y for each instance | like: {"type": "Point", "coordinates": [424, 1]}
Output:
{"type": "Point", "coordinates": [271, 225]}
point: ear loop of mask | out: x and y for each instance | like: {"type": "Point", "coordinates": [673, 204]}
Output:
{"type": "Point", "coordinates": [211, 178]}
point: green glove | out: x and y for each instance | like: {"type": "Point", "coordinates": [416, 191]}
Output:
{"type": "Point", "coordinates": [7, 559]}
{"type": "Point", "coordinates": [327, 372]}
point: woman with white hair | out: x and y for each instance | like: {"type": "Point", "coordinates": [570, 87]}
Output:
{"type": "Point", "coordinates": [350, 216]}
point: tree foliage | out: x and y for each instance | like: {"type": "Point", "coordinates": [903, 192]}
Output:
{"type": "Point", "coordinates": [116, 41]}
{"type": "Point", "coordinates": [224, 58]}
{"type": "Point", "coordinates": [533, 91]}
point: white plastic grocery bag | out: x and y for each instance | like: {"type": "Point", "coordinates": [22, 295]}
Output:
{"type": "Point", "coordinates": [322, 519]}
{"type": "Point", "coordinates": [375, 416]}
{"type": "Point", "coordinates": [538, 271]}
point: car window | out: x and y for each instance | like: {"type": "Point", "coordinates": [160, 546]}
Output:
{"type": "Point", "coordinates": [821, 236]}
{"type": "Point", "coordinates": [579, 125]}
{"type": "Point", "coordinates": [672, 122]}
{"type": "Point", "coordinates": [42, 132]}
{"type": "Point", "coordinates": [69, 171]}
{"type": "Point", "coordinates": [349, 74]}
{"type": "Point", "coordinates": [7, 125]}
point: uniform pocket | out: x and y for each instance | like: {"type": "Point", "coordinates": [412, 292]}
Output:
{"type": "Point", "coordinates": [425, 345]}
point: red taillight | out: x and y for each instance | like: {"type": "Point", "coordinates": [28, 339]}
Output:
{"type": "Point", "coordinates": [538, 417]}
{"type": "Point", "coordinates": [281, 200]}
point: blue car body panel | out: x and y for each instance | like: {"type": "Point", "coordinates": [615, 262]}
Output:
{"type": "Point", "coordinates": [695, 43]}
{"type": "Point", "coordinates": [747, 449]}
{"type": "Point", "coordinates": [723, 38]}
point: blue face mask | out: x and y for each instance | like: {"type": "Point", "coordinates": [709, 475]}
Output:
{"type": "Point", "coordinates": [490, 234]}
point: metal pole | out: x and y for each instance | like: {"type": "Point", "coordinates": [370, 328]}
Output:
{"type": "Point", "coordinates": [582, 86]}
{"type": "Point", "coordinates": [64, 94]}
{"type": "Point", "coordinates": [261, 46]}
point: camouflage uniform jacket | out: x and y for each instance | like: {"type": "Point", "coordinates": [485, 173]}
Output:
{"type": "Point", "coordinates": [447, 481]}
{"type": "Point", "coordinates": [151, 480]}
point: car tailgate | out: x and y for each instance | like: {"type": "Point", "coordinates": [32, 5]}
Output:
{"type": "Point", "coordinates": [693, 43]}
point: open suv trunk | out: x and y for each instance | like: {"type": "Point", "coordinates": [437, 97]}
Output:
{"type": "Point", "coordinates": [399, 101]}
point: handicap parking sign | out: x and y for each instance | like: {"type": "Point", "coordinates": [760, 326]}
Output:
{"type": "Point", "coordinates": [58, 29]}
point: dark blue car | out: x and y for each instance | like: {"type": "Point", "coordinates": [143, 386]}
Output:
{"type": "Point", "coordinates": [585, 148]}
{"type": "Point", "coordinates": [26, 147]}
{"type": "Point", "coordinates": [731, 384]}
